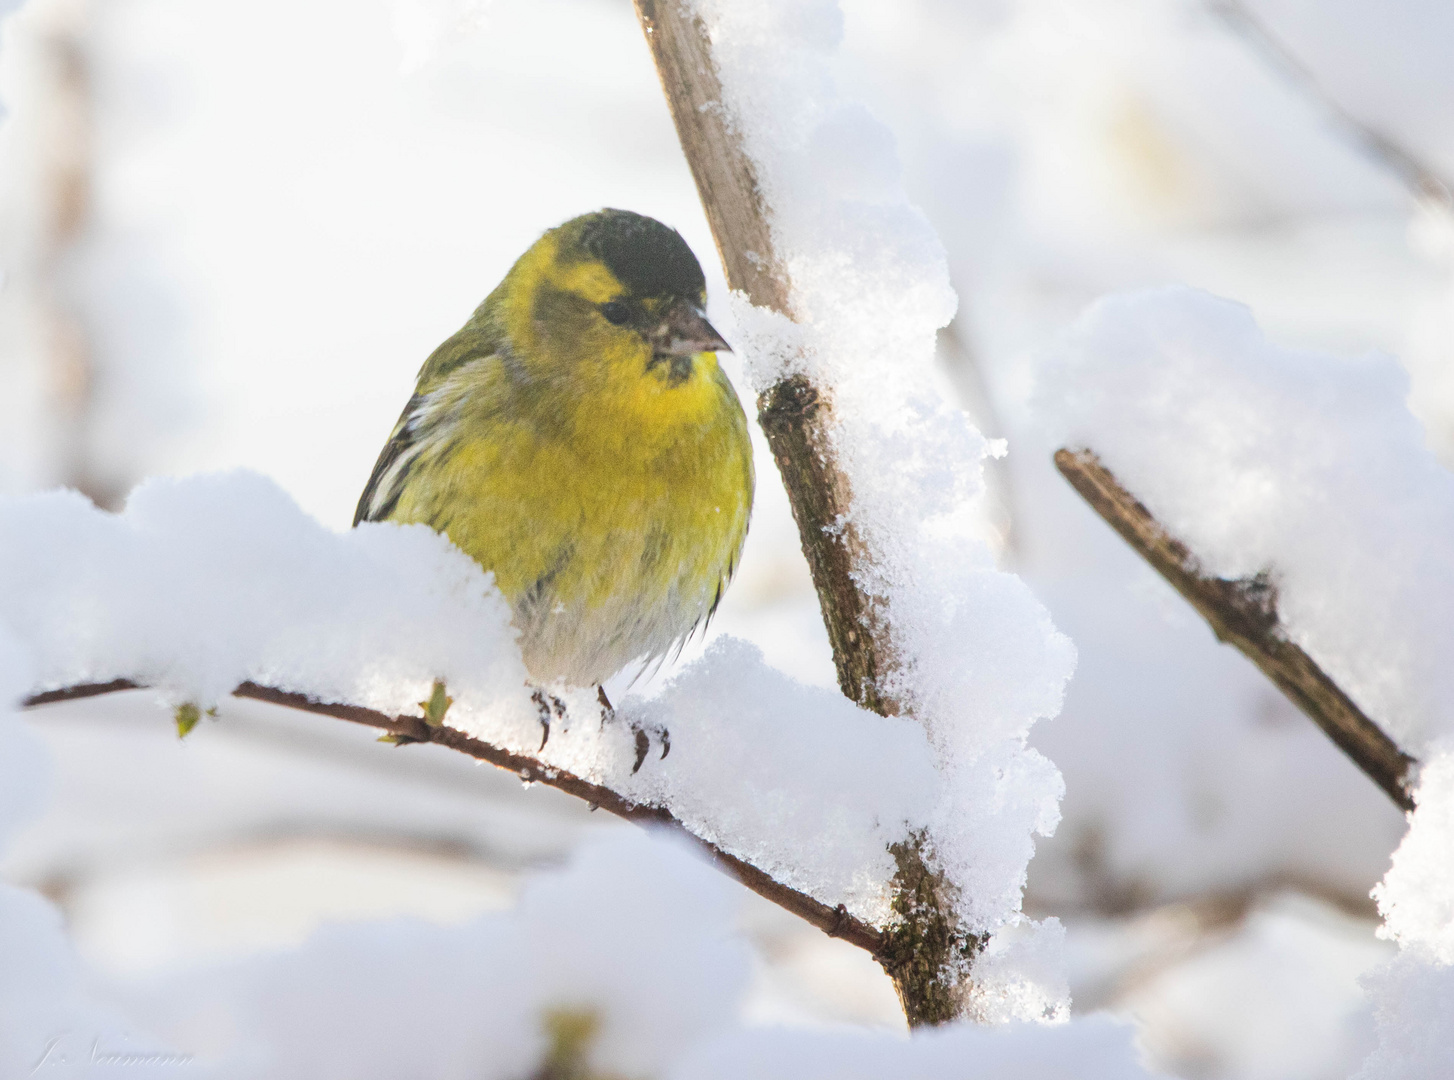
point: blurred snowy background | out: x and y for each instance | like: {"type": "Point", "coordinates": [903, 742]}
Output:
{"type": "Point", "coordinates": [230, 234]}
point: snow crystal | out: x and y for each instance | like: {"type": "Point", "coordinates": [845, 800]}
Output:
{"type": "Point", "coordinates": [1090, 1049]}
{"type": "Point", "coordinates": [1269, 459]}
{"type": "Point", "coordinates": [980, 659]}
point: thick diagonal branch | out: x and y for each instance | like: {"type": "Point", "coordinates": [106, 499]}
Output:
{"type": "Point", "coordinates": [927, 957]}
{"type": "Point", "coordinates": [835, 922]}
{"type": "Point", "coordinates": [1244, 613]}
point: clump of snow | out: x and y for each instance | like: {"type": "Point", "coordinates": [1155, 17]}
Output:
{"type": "Point", "coordinates": [1412, 997]}
{"type": "Point", "coordinates": [1021, 975]}
{"type": "Point", "coordinates": [980, 661]}
{"type": "Point", "coordinates": [1262, 458]}
{"type": "Point", "coordinates": [796, 779]}
{"type": "Point", "coordinates": [822, 789]}
{"type": "Point", "coordinates": [1416, 896]}
{"type": "Point", "coordinates": [1090, 1049]}
{"type": "Point", "coordinates": [206, 582]}
{"type": "Point", "coordinates": [1412, 1000]}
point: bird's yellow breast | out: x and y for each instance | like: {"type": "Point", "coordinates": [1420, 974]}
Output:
{"type": "Point", "coordinates": [610, 518]}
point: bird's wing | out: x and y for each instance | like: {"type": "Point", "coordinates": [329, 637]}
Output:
{"type": "Point", "coordinates": [387, 480]}
{"type": "Point", "coordinates": [411, 433]}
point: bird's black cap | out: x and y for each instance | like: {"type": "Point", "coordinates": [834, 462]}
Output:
{"type": "Point", "coordinates": [647, 257]}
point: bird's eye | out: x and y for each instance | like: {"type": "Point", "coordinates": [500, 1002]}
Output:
{"type": "Point", "coordinates": [615, 312]}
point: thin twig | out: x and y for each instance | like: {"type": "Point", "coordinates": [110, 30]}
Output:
{"type": "Point", "coordinates": [836, 922]}
{"type": "Point", "coordinates": [1244, 613]}
{"type": "Point", "coordinates": [1421, 178]}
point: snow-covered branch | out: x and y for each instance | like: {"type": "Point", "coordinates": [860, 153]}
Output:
{"type": "Point", "coordinates": [930, 949]}
{"type": "Point", "coordinates": [1243, 613]}
{"type": "Point", "coordinates": [836, 922]}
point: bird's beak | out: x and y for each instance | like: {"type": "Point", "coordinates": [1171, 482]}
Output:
{"type": "Point", "coordinates": [685, 331]}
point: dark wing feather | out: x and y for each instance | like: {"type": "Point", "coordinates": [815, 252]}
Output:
{"type": "Point", "coordinates": [400, 442]}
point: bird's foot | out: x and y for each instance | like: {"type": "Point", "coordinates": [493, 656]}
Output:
{"type": "Point", "coordinates": [641, 735]}
{"type": "Point", "coordinates": [549, 707]}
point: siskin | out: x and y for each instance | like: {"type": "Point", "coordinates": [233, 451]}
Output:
{"type": "Point", "coordinates": [578, 438]}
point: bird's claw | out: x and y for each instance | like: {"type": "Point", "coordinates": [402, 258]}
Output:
{"type": "Point", "coordinates": [643, 744]}
{"type": "Point", "coordinates": [641, 736]}
{"type": "Point", "coordinates": [548, 705]}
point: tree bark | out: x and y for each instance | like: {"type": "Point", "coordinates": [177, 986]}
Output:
{"type": "Point", "coordinates": [1243, 613]}
{"type": "Point", "coordinates": [928, 948]}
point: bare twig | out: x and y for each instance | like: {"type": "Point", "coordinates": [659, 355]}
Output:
{"type": "Point", "coordinates": [1413, 171]}
{"type": "Point", "coordinates": [1244, 613]}
{"type": "Point", "coordinates": [836, 922]}
{"type": "Point", "coordinates": [926, 956]}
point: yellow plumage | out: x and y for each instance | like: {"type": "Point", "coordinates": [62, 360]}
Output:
{"type": "Point", "coordinates": [578, 438]}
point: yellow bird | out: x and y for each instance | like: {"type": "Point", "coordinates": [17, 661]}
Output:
{"type": "Point", "coordinates": [578, 439]}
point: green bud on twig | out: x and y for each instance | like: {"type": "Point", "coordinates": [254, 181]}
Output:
{"type": "Point", "coordinates": [437, 705]}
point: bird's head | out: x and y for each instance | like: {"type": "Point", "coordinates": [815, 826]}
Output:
{"type": "Point", "coordinates": [614, 291]}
